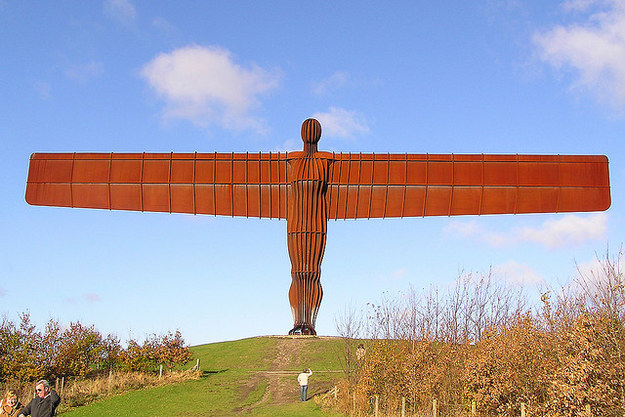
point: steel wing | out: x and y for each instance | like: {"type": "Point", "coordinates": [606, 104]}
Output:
{"type": "Point", "coordinates": [228, 184]}
{"type": "Point", "coordinates": [359, 185]}
{"type": "Point", "coordinates": [407, 185]}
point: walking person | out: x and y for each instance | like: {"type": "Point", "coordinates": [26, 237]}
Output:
{"type": "Point", "coordinates": [303, 384]}
{"type": "Point", "coordinates": [45, 402]}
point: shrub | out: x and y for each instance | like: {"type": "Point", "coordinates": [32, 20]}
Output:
{"type": "Point", "coordinates": [78, 351]}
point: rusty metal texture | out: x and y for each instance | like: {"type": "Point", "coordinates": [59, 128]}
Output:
{"type": "Point", "coordinates": [409, 185]}
{"type": "Point", "coordinates": [309, 187]}
{"type": "Point", "coordinates": [228, 184]}
{"type": "Point", "coordinates": [359, 185]}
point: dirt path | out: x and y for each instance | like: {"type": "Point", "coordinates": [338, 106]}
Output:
{"type": "Point", "coordinates": [281, 378]}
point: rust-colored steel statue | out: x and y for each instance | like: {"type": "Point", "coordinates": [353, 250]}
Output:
{"type": "Point", "coordinates": [307, 227]}
{"type": "Point", "coordinates": [309, 187]}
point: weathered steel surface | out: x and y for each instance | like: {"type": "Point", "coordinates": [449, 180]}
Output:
{"type": "Point", "coordinates": [309, 187]}
{"type": "Point", "coordinates": [359, 185]}
{"type": "Point", "coordinates": [232, 184]}
{"type": "Point", "coordinates": [307, 227]}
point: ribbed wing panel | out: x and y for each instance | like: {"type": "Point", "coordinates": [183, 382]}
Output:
{"type": "Point", "coordinates": [407, 185]}
{"type": "Point", "coordinates": [227, 184]}
{"type": "Point", "coordinates": [359, 185]}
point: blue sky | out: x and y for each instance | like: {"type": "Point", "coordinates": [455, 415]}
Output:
{"type": "Point", "coordinates": [453, 76]}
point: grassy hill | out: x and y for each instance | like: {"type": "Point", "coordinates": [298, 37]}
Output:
{"type": "Point", "coordinates": [256, 376]}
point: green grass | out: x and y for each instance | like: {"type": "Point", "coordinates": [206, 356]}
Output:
{"type": "Point", "coordinates": [231, 383]}
{"type": "Point", "coordinates": [296, 409]}
{"type": "Point", "coordinates": [246, 354]}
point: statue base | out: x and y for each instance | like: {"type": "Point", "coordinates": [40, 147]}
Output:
{"type": "Point", "coordinates": [302, 330]}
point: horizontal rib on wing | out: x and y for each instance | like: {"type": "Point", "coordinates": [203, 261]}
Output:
{"type": "Point", "coordinates": [407, 185]}
{"type": "Point", "coordinates": [228, 184]}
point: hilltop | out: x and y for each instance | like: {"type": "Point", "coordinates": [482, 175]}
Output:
{"type": "Point", "coordinates": [255, 376]}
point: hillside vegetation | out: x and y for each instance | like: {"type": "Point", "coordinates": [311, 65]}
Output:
{"type": "Point", "coordinates": [479, 345]}
{"type": "Point", "coordinates": [255, 376]}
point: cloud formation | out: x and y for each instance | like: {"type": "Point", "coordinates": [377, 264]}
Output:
{"type": "Point", "coordinates": [205, 86]}
{"type": "Point", "coordinates": [516, 273]}
{"type": "Point", "coordinates": [567, 230]}
{"type": "Point", "coordinates": [341, 123]}
{"type": "Point", "coordinates": [330, 84]}
{"type": "Point", "coordinates": [594, 48]}
{"type": "Point", "coordinates": [601, 279]}
{"type": "Point", "coordinates": [163, 25]}
{"type": "Point", "coordinates": [123, 11]}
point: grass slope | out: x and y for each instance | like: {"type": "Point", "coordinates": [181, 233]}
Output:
{"type": "Point", "coordinates": [256, 376]}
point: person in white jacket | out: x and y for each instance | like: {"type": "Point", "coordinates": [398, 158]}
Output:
{"type": "Point", "coordinates": [303, 384]}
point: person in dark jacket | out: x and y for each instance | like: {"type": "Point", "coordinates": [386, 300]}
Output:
{"type": "Point", "coordinates": [44, 404]}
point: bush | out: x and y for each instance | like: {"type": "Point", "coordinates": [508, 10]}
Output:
{"type": "Point", "coordinates": [78, 351]}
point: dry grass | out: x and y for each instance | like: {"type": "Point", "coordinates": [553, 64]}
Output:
{"type": "Point", "coordinates": [81, 391]}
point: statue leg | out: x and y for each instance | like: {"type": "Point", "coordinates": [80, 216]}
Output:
{"type": "Point", "coordinates": [306, 252]}
{"type": "Point", "coordinates": [305, 297]}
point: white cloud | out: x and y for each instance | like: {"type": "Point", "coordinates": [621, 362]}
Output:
{"type": "Point", "coordinates": [594, 48]}
{"type": "Point", "coordinates": [472, 230]}
{"type": "Point", "coordinates": [567, 230]}
{"type": "Point", "coordinates": [601, 280]}
{"type": "Point", "coordinates": [163, 25]}
{"type": "Point", "coordinates": [516, 273]}
{"type": "Point", "coordinates": [342, 80]}
{"type": "Point", "coordinates": [589, 268]}
{"type": "Point", "coordinates": [289, 145]}
{"type": "Point", "coordinates": [601, 265]}
{"type": "Point", "coordinates": [205, 85]}
{"type": "Point", "coordinates": [330, 84]}
{"type": "Point", "coordinates": [121, 10]}
{"type": "Point", "coordinates": [341, 123]}
{"type": "Point", "coordinates": [466, 229]}
{"type": "Point", "coordinates": [578, 5]}
{"type": "Point", "coordinates": [82, 73]}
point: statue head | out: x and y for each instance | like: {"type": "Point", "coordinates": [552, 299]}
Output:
{"type": "Point", "coordinates": [311, 133]}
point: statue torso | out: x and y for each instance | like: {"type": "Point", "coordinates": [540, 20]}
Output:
{"type": "Point", "coordinates": [307, 206]}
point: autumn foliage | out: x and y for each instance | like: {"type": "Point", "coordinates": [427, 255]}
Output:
{"type": "Point", "coordinates": [27, 354]}
{"type": "Point", "coordinates": [483, 345]}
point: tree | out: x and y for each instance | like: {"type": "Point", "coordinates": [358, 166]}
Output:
{"type": "Point", "coordinates": [173, 350]}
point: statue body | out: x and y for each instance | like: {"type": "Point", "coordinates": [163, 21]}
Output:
{"type": "Point", "coordinates": [307, 224]}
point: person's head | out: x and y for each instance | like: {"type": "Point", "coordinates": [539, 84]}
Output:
{"type": "Point", "coordinates": [42, 388]}
{"type": "Point", "coordinates": [10, 398]}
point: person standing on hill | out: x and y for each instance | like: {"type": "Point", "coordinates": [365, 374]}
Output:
{"type": "Point", "coordinates": [45, 402]}
{"type": "Point", "coordinates": [303, 384]}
